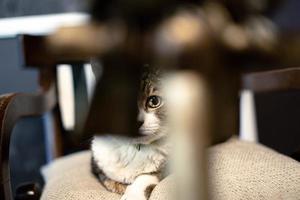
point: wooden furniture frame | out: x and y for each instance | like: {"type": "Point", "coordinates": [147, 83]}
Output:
{"type": "Point", "coordinates": [18, 105]}
{"type": "Point", "coordinates": [15, 106]}
{"type": "Point", "coordinates": [12, 108]}
{"type": "Point", "coordinates": [206, 53]}
{"type": "Point", "coordinates": [271, 82]}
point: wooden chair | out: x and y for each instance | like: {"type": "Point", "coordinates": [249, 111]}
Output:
{"type": "Point", "coordinates": [15, 106]}
{"type": "Point", "coordinates": [12, 109]}
{"type": "Point", "coordinates": [218, 81]}
{"type": "Point", "coordinates": [12, 105]}
{"type": "Point", "coordinates": [18, 105]}
{"type": "Point", "coordinates": [275, 82]}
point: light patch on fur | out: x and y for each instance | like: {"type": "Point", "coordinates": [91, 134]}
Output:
{"type": "Point", "coordinates": [137, 190]}
{"type": "Point", "coordinates": [151, 123]}
{"type": "Point", "coordinates": [120, 160]}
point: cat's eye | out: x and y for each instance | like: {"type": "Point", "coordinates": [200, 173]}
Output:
{"type": "Point", "coordinates": [154, 102]}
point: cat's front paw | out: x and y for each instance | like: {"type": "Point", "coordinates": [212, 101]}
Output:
{"type": "Point", "coordinates": [133, 197]}
{"type": "Point", "coordinates": [132, 194]}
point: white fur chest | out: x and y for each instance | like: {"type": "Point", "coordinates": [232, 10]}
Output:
{"type": "Point", "coordinates": [122, 161]}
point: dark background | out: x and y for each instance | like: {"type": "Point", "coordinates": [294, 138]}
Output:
{"type": "Point", "coordinates": [278, 113]}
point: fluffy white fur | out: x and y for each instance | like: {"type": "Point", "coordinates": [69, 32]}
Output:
{"type": "Point", "coordinates": [121, 160]}
{"type": "Point", "coordinates": [131, 161]}
{"type": "Point", "coordinates": [151, 122]}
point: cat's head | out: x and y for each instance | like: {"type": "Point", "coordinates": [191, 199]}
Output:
{"type": "Point", "coordinates": [151, 104]}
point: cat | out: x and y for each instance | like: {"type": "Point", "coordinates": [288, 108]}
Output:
{"type": "Point", "coordinates": [132, 167]}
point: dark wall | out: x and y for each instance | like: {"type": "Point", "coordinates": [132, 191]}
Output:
{"type": "Point", "coordinates": [12, 77]}
{"type": "Point", "coordinates": [278, 120]}
{"type": "Point", "coordinates": [12, 8]}
{"type": "Point", "coordinates": [287, 16]}
{"type": "Point", "coordinates": [278, 113]}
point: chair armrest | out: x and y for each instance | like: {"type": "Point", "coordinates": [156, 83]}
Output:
{"type": "Point", "coordinates": [273, 80]}
{"type": "Point", "coordinates": [13, 107]}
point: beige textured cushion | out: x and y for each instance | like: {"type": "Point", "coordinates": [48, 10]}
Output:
{"type": "Point", "coordinates": [70, 178]}
{"type": "Point", "coordinates": [238, 170]}
{"type": "Point", "coordinates": [243, 170]}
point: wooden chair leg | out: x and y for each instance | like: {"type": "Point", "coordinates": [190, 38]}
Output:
{"type": "Point", "coordinates": [199, 117]}
{"type": "Point", "coordinates": [189, 112]}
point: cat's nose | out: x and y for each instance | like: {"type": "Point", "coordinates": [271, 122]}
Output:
{"type": "Point", "coordinates": [139, 124]}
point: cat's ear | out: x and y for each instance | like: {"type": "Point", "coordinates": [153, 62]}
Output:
{"type": "Point", "coordinates": [146, 68]}
{"type": "Point", "coordinates": [96, 67]}
{"type": "Point", "coordinates": [145, 71]}
{"type": "Point", "coordinates": [149, 70]}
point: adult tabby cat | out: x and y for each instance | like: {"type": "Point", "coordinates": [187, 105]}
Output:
{"type": "Point", "coordinates": [133, 166]}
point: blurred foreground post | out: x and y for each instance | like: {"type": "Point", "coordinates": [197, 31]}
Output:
{"type": "Point", "coordinates": [189, 111]}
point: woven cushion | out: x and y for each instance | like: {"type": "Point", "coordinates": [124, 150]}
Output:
{"type": "Point", "coordinates": [70, 177]}
{"type": "Point", "coordinates": [238, 170]}
{"type": "Point", "coordinates": [243, 170]}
